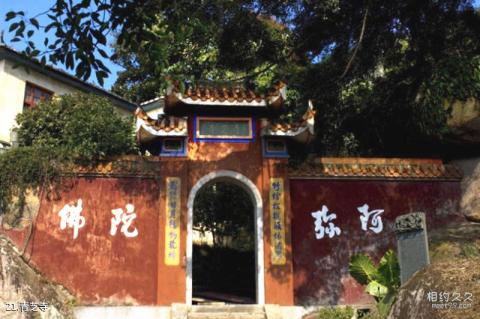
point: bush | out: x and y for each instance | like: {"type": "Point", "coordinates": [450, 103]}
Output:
{"type": "Point", "coordinates": [85, 125]}
{"type": "Point", "coordinates": [22, 169]}
{"type": "Point", "coordinates": [336, 313]}
{"type": "Point", "coordinates": [369, 314]}
{"type": "Point", "coordinates": [382, 281]}
{"type": "Point", "coordinates": [72, 129]}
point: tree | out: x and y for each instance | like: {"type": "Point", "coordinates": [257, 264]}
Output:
{"type": "Point", "coordinates": [226, 211]}
{"type": "Point", "coordinates": [86, 126]}
{"type": "Point", "coordinates": [54, 135]}
{"type": "Point", "coordinates": [209, 40]}
{"type": "Point", "coordinates": [388, 69]}
{"type": "Point", "coordinates": [373, 68]}
{"type": "Point", "coordinates": [166, 31]}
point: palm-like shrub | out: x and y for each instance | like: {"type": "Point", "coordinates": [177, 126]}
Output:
{"type": "Point", "coordinates": [382, 281]}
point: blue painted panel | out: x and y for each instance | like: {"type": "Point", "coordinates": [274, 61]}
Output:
{"type": "Point", "coordinates": [180, 153]}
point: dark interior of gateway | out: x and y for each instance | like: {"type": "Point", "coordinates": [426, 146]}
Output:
{"type": "Point", "coordinates": [223, 245]}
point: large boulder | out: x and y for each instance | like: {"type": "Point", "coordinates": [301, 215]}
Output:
{"type": "Point", "coordinates": [454, 273]}
{"type": "Point", "coordinates": [470, 202]}
{"type": "Point", "coordinates": [420, 297]}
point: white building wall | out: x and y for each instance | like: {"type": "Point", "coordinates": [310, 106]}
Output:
{"type": "Point", "coordinates": [12, 91]}
{"type": "Point", "coordinates": [155, 108]}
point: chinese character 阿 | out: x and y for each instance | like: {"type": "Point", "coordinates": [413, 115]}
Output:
{"type": "Point", "coordinates": [71, 217]}
{"type": "Point", "coordinates": [376, 221]}
{"type": "Point", "coordinates": [321, 219]}
{"type": "Point", "coordinates": [126, 218]}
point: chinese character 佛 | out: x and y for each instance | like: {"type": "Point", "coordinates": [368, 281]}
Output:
{"type": "Point", "coordinates": [321, 219]}
{"type": "Point", "coordinates": [376, 221]}
{"type": "Point", "coordinates": [71, 217]}
{"type": "Point", "coordinates": [126, 218]}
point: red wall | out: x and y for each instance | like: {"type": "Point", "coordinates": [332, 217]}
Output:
{"type": "Point", "coordinates": [98, 267]}
{"type": "Point", "coordinates": [321, 265]}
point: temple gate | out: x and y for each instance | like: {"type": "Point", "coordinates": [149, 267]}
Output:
{"type": "Point", "coordinates": [122, 233]}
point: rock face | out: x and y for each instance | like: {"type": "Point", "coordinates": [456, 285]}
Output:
{"type": "Point", "coordinates": [23, 289]}
{"type": "Point", "coordinates": [453, 275]}
{"type": "Point", "coordinates": [464, 121]}
{"type": "Point", "coordinates": [470, 202]}
{"type": "Point", "coordinates": [472, 210]}
{"type": "Point", "coordinates": [457, 279]}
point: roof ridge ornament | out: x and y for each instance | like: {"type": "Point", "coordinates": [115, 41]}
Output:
{"type": "Point", "coordinates": [302, 131]}
{"type": "Point", "coordinates": [233, 96]}
{"type": "Point", "coordinates": [167, 125]}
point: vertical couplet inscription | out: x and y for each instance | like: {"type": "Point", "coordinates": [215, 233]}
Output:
{"type": "Point", "coordinates": [277, 221]}
{"type": "Point", "coordinates": [172, 222]}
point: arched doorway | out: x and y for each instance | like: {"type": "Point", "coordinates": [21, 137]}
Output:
{"type": "Point", "coordinates": [238, 180]}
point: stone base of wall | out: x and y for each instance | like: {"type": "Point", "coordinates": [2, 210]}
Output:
{"type": "Point", "coordinates": [121, 312]}
{"type": "Point", "coordinates": [177, 311]}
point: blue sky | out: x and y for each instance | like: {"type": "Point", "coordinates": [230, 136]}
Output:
{"type": "Point", "coordinates": [33, 7]}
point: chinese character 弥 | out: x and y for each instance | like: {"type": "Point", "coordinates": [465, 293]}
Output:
{"type": "Point", "coordinates": [71, 217]}
{"type": "Point", "coordinates": [321, 219]}
{"type": "Point", "coordinates": [376, 221]}
{"type": "Point", "coordinates": [126, 218]}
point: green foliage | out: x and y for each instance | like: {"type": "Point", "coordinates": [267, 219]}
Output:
{"type": "Point", "coordinates": [86, 126]}
{"type": "Point", "coordinates": [226, 211]}
{"type": "Point", "coordinates": [410, 60]}
{"type": "Point", "coordinates": [382, 282]}
{"type": "Point", "coordinates": [69, 130]}
{"type": "Point", "coordinates": [369, 314]}
{"type": "Point", "coordinates": [26, 168]}
{"type": "Point", "coordinates": [372, 68]}
{"type": "Point", "coordinates": [236, 45]}
{"type": "Point", "coordinates": [362, 269]}
{"type": "Point", "coordinates": [335, 313]}
{"type": "Point", "coordinates": [470, 250]}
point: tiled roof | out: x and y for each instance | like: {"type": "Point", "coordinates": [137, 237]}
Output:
{"type": "Point", "coordinates": [164, 126]}
{"type": "Point", "coordinates": [305, 127]}
{"type": "Point", "coordinates": [225, 95]}
{"type": "Point", "coordinates": [308, 117]}
{"type": "Point", "coordinates": [158, 98]}
{"type": "Point", "coordinates": [376, 168]}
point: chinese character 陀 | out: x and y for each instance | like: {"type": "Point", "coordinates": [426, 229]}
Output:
{"type": "Point", "coordinates": [119, 217]}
